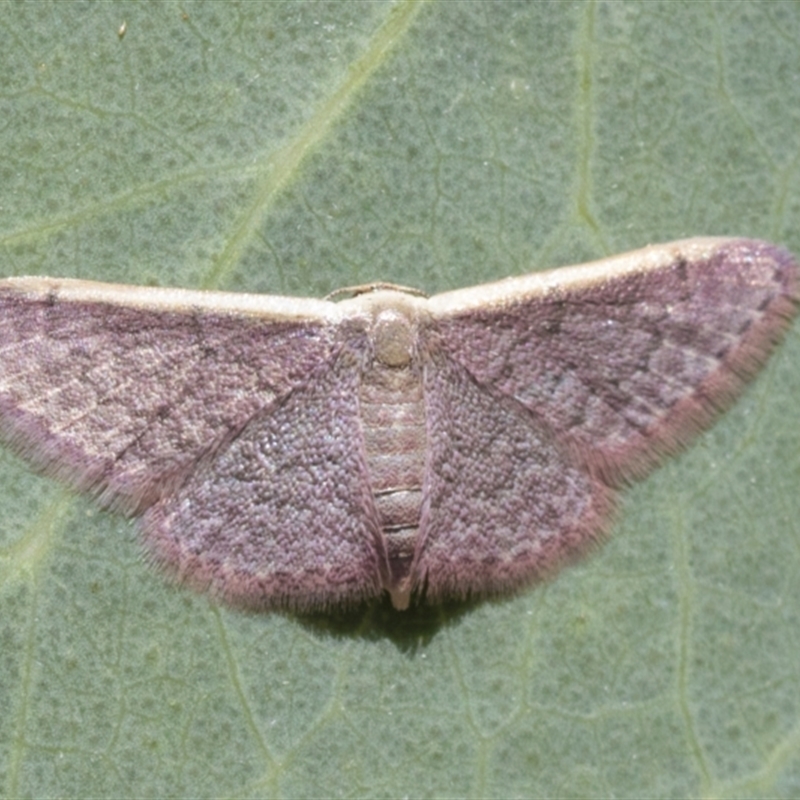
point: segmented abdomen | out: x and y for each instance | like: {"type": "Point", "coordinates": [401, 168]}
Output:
{"type": "Point", "coordinates": [393, 419]}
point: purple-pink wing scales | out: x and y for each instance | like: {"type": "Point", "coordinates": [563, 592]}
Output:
{"type": "Point", "coordinates": [628, 358]}
{"type": "Point", "coordinates": [283, 514]}
{"type": "Point", "coordinates": [503, 502]}
{"type": "Point", "coordinates": [546, 393]}
{"type": "Point", "coordinates": [120, 390]}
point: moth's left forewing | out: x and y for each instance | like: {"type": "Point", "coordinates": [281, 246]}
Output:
{"type": "Point", "coordinates": [625, 359]}
{"type": "Point", "coordinates": [120, 389]}
{"type": "Point", "coordinates": [229, 421]}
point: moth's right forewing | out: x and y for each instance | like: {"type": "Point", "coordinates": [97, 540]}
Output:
{"type": "Point", "coordinates": [119, 390]}
{"type": "Point", "coordinates": [626, 359]}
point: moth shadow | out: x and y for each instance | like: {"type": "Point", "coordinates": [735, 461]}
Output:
{"type": "Point", "coordinates": [408, 630]}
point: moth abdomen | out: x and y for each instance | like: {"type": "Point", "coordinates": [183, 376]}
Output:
{"type": "Point", "coordinates": [392, 410]}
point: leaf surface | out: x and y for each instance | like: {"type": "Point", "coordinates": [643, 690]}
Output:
{"type": "Point", "coordinates": [297, 147]}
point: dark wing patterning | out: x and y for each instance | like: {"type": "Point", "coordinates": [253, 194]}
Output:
{"type": "Point", "coordinates": [628, 361]}
{"type": "Point", "coordinates": [121, 399]}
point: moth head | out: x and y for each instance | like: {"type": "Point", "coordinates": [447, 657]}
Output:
{"type": "Point", "coordinates": [393, 337]}
{"type": "Point", "coordinates": [391, 319]}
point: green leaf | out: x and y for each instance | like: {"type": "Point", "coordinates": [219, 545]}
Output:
{"type": "Point", "coordinates": [296, 147]}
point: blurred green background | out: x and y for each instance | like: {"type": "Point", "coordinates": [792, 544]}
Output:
{"type": "Point", "coordinates": [296, 147]}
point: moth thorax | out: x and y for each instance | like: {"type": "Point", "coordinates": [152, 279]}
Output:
{"type": "Point", "coordinates": [393, 338]}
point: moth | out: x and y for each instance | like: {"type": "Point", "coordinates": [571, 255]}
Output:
{"type": "Point", "coordinates": [300, 453]}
